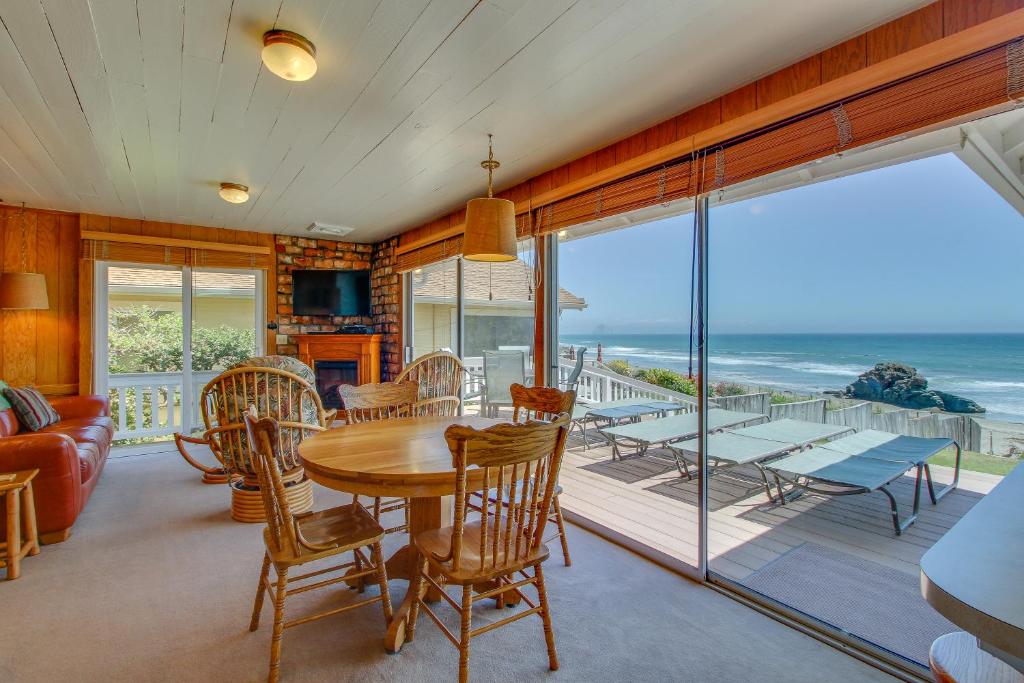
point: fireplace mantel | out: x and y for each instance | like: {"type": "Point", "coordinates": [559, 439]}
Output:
{"type": "Point", "coordinates": [362, 348]}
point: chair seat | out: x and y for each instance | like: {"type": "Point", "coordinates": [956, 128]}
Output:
{"type": "Point", "coordinates": [439, 542]}
{"type": "Point", "coordinates": [344, 527]}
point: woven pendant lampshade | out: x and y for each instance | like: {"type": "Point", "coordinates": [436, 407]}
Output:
{"type": "Point", "coordinates": [23, 291]}
{"type": "Point", "coordinates": [490, 233]}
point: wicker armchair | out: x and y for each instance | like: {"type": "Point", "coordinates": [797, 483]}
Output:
{"type": "Point", "coordinates": [271, 384]}
{"type": "Point", "coordinates": [439, 375]}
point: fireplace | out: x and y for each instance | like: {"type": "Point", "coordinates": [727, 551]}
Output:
{"type": "Point", "coordinates": [330, 374]}
{"type": "Point", "coordinates": [340, 359]}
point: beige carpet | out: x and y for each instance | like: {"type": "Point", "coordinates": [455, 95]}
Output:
{"type": "Point", "coordinates": [156, 584]}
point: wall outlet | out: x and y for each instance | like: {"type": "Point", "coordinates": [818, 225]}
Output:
{"type": "Point", "coordinates": [282, 339]}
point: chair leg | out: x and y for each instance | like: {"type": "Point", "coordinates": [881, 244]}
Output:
{"type": "Point", "coordinates": [275, 641]}
{"type": "Point", "coordinates": [377, 557]}
{"type": "Point", "coordinates": [257, 607]}
{"type": "Point", "coordinates": [416, 588]}
{"type": "Point", "coordinates": [549, 634]}
{"type": "Point", "coordinates": [561, 531]}
{"type": "Point", "coordinates": [467, 612]}
{"type": "Point", "coordinates": [360, 582]}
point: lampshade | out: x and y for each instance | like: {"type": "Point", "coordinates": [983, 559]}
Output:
{"type": "Point", "coordinates": [490, 230]}
{"type": "Point", "coordinates": [289, 55]}
{"type": "Point", "coordinates": [23, 291]}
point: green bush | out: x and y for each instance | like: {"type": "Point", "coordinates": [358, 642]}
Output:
{"type": "Point", "coordinates": [728, 389]}
{"type": "Point", "coordinates": [620, 366]}
{"type": "Point", "coordinates": [786, 397]}
{"type": "Point", "coordinates": [144, 340]}
{"type": "Point", "coordinates": [667, 379]}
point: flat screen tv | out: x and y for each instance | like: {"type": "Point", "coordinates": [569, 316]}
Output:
{"type": "Point", "coordinates": [331, 292]}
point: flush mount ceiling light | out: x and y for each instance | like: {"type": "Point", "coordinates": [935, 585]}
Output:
{"type": "Point", "coordinates": [490, 222]}
{"type": "Point", "coordinates": [234, 193]}
{"type": "Point", "coordinates": [289, 55]}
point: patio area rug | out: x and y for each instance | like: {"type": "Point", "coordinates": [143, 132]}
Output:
{"type": "Point", "coordinates": [866, 599]}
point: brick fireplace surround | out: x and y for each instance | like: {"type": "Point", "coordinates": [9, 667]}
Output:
{"type": "Point", "coordinates": [298, 253]}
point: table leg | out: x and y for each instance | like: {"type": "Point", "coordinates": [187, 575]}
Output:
{"type": "Point", "coordinates": [425, 514]}
{"type": "Point", "coordinates": [13, 534]}
{"type": "Point", "coordinates": [29, 516]}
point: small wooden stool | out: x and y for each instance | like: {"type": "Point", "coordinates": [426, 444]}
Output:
{"type": "Point", "coordinates": [17, 487]}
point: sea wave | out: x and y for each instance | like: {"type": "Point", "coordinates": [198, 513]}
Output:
{"type": "Point", "coordinates": [796, 366]}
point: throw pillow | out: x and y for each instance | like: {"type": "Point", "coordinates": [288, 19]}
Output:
{"type": "Point", "coordinates": [32, 409]}
{"type": "Point", "coordinates": [4, 405]}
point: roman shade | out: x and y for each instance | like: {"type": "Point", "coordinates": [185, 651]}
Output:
{"type": "Point", "coordinates": [986, 82]}
{"type": "Point", "coordinates": [102, 246]}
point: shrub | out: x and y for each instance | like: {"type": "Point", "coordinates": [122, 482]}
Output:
{"type": "Point", "coordinates": [728, 389]}
{"type": "Point", "coordinates": [620, 366]}
{"type": "Point", "coordinates": [667, 379]}
{"type": "Point", "coordinates": [786, 397]}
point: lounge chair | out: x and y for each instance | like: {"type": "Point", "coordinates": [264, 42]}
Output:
{"type": "Point", "coordinates": [755, 445]}
{"type": "Point", "coordinates": [613, 412]}
{"type": "Point", "coordinates": [865, 462]}
{"type": "Point", "coordinates": [666, 430]}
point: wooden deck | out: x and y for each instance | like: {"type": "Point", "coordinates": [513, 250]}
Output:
{"type": "Point", "coordinates": [647, 500]}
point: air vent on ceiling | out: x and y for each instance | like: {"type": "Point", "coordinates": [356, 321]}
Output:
{"type": "Point", "coordinates": [328, 229]}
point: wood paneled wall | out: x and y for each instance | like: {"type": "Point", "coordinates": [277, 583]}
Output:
{"type": "Point", "coordinates": [917, 29]}
{"type": "Point", "coordinates": [41, 347]}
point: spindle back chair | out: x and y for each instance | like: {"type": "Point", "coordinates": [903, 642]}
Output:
{"type": "Point", "coordinates": [293, 539]}
{"type": "Point", "coordinates": [514, 466]}
{"type": "Point", "coordinates": [381, 401]}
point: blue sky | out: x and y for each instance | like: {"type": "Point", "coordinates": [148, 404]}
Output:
{"type": "Point", "coordinates": [924, 246]}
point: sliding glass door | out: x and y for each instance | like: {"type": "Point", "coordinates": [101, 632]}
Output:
{"type": "Point", "coordinates": [162, 332]}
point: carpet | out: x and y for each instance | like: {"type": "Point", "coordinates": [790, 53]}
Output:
{"type": "Point", "coordinates": [871, 601]}
{"type": "Point", "coordinates": [156, 584]}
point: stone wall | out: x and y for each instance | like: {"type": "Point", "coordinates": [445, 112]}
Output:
{"type": "Point", "coordinates": [300, 253]}
{"type": "Point", "coordinates": [386, 291]}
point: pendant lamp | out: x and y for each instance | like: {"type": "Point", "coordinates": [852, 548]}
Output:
{"type": "Point", "coordinates": [490, 233]}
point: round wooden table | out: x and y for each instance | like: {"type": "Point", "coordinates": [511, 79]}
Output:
{"type": "Point", "coordinates": [400, 458]}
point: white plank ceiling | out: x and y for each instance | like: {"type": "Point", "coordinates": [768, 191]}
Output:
{"type": "Point", "coordinates": [140, 108]}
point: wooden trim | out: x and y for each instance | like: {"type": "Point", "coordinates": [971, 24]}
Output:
{"type": "Point", "coordinates": [941, 51]}
{"type": "Point", "coordinates": [58, 389]}
{"type": "Point", "coordinates": [172, 242]}
{"type": "Point", "coordinates": [86, 275]}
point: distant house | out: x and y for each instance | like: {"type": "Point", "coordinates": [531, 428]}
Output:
{"type": "Point", "coordinates": [217, 298]}
{"type": "Point", "coordinates": [499, 301]}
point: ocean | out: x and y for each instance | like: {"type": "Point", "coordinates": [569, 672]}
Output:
{"type": "Point", "coordinates": [988, 368]}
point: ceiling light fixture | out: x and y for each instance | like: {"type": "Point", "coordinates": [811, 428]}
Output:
{"type": "Point", "coordinates": [289, 55]}
{"type": "Point", "coordinates": [490, 222]}
{"type": "Point", "coordinates": [234, 193]}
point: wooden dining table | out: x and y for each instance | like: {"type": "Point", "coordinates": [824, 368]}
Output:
{"type": "Point", "coordinates": [398, 458]}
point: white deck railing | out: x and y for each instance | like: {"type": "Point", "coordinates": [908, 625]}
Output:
{"type": "Point", "coordinates": [596, 383]}
{"type": "Point", "coordinates": [149, 404]}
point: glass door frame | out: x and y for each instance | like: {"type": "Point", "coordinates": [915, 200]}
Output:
{"type": "Point", "coordinates": [101, 321]}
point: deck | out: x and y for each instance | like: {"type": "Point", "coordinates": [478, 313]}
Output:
{"type": "Point", "coordinates": [645, 498]}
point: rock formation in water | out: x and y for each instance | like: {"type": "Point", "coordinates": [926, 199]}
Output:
{"type": "Point", "coordinates": [901, 385]}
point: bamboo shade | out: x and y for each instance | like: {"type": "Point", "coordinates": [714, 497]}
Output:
{"type": "Point", "coordinates": [967, 86]}
{"type": "Point", "coordinates": [196, 256]}
{"type": "Point", "coordinates": [452, 246]}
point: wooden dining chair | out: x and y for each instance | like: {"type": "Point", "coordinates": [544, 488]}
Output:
{"type": "Point", "coordinates": [522, 459]}
{"type": "Point", "coordinates": [293, 540]}
{"type": "Point", "coordinates": [381, 401]}
{"type": "Point", "coordinates": [545, 403]}
{"type": "Point", "coordinates": [540, 403]}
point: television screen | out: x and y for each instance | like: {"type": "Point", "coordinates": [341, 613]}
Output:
{"type": "Point", "coordinates": [331, 292]}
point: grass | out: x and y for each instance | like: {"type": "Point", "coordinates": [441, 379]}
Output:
{"type": "Point", "coordinates": [976, 462]}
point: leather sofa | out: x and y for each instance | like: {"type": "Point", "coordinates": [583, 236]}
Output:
{"type": "Point", "coordinates": [69, 456]}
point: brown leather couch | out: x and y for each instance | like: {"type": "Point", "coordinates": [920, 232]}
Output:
{"type": "Point", "coordinates": [69, 456]}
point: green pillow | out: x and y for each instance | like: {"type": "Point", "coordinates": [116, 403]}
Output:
{"type": "Point", "coordinates": [4, 403]}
